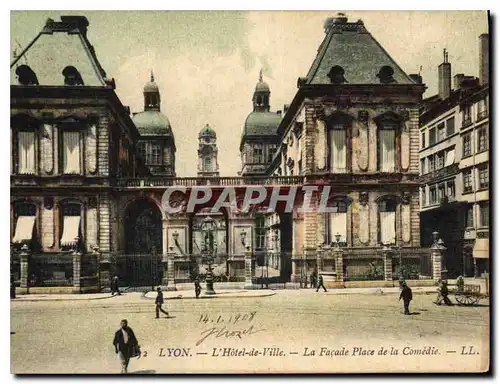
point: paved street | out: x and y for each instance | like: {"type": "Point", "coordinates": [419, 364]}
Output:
{"type": "Point", "coordinates": [298, 331]}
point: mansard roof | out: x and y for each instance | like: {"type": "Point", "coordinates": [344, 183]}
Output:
{"type": "Point", "coordinates": [59, 45]}
{"type": "Point", "coordinates": [350, 50]}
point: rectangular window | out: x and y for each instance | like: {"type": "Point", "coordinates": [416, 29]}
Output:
{"type": "Point", "coordinates": [388, 227]}
{"type": "Point", "coordinates": [484, 179]}
{"type": "Point", "coordinates": [467, 178]}
{"type": "Point", "coordinates": [424, 197]}
{"type": "Point", "coordinates": [441, 131]}
{"type": "Point", "coordinates": [142, 151]}
{"type": "Point", "coordinates": [469, 217]}
{"type": "Point", "coordinates": [466, 116]}
{"type": "Point", "coordinates": [387, 150]}
{"type": "Point", "coordinates": [450, 126]}
{"type": "Point", "coordinates": [422, 166]}
{"type": "Point", "coordinates": [482, 139]}
{"type": "Point", "coordinates": [155, 154]}
{"type": "Point", "coordinates": [300, 167]}
{"type": "Point", "coordinates": [450, 189]}
{"type": "Point", "coordinates": [432, 163]}
{"type": "Point", "coordinates": [484, 214]}
{"type": "Point", "coordinates": [207, 164]}
{"type": "Point", "coordinates": [423, 140]}
{"type": "Point", "coordinates": [71, 152]}
{"type": "Point", "coordinates": [433, 196]}
{"type": "Point", "coordinates": [258, 156]}
{"type": "Point", "coordinates": [270, 153]}
{"type": "Point", "coordinates": [482, 110]}
{"type": "Point", "coordinates": [338, 148]}
{"type": "Point", "coordinates": [466, 145]}
{"type": "Point", "coordinates": [26, 150]}
{"type": "Point", "coordinates": [260, 232]}
{"type": "Point", "coordinates": [440, 160]}
{"type": "Point", "coordinates": [441, 192]}
{"type": "Point", "coordinates": [432, 136]}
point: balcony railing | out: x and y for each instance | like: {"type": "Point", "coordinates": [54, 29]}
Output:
{"type": "Point", "coordinates": [440, 173]}
{"type": "Point", "coordinates": [152, 181]}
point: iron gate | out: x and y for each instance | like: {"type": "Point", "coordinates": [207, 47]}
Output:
{"type": "Point", "coordinates": [137, 271]}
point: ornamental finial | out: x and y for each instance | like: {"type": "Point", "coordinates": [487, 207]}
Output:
{"type": "Point", "coordinates": [260, 76]}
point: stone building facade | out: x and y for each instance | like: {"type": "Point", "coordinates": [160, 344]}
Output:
{"type": "Point", "coordinates": [88, 179]}
{"type": "Point", "coordinates": [454, 167]}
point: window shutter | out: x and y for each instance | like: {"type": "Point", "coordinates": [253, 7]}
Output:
{"type": "Point", "coordinates": [71, 154]}
{"type": "Point", "coordinates": [387, 156]}
{"type": "Point", "coordinates": [388, 227]}
{"type": "Point", "coordinates": [26, 152]}
{"type": "Point", "coordinates": [338, 224]}
{"type": "Point", "coordinates": [338, 141]}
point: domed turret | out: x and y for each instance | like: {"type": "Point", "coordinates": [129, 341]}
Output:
{"type": "Point", "coordinates": [207, 132]}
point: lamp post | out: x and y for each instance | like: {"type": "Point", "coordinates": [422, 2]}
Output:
{"type": "Point", "coordinates": [208, 227]}
{"type": "Point", "coordinates": [337, 239]}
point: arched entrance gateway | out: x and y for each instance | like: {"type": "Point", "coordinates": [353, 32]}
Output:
{"type": "Point", "coordinates": [140, 265]}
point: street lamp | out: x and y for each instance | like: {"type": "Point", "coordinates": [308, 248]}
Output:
{"type": "Point", "coordinates": [208, 227]}
{"type": "Point", "coordinates": [337, 239]}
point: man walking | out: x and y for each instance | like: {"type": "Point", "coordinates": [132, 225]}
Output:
{"type": "Point", "coordinates": [197, 287]}
{"type": "Point", "coordinates": [114, 286]}
{"type": "Point", "coordinates": [126, 345]}
{"type": "Point", "coordinates": [407, 296]}
{"type": "Point", "coordinates": [320, 283]}
{"type": "Point", "coordinates": [159, 302]}
{"type": "Point", "coordinates": [313, 280]}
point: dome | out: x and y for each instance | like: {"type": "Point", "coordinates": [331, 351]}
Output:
{"type": "Point", "coordinates": [207, 131]}
{"type": "Point", "coordinates": [262, 86]}
{"type": "Point", "coordinates": [151, 86]}
{"type": "Point", "coordinates": [261, 124]}
{"type": "Point", "coordinates": [152, 123]}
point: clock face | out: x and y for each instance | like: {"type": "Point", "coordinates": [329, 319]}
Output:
{"type": "Point", "coordinates": [207, 139]}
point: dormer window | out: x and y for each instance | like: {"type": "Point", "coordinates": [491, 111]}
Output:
{"type": "Point", "coordinates": [26, 76]}
{"type": "Point", "coordinates": [72, 76]}
{"type": "Point", "coordinates": [386, 75]}
{"type": "Point", "coordinates": [336, 75]}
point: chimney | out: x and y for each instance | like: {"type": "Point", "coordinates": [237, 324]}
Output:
{"type": "Point", "coordinates": [444, 71]}
{"type": "Point", "coordinates": [278, 113]}
{"type": "Point", "coordinates": [79, 22]}
{"type": "Point", "coordinates": [484, 60]}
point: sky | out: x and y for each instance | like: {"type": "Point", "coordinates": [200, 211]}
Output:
{"type": "Point", "coordinates": [207, 64]}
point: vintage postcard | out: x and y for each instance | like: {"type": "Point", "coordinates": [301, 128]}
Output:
{"type": "Point", "coordinates": [249, 192]}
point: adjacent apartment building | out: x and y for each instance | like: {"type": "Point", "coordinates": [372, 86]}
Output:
{"type": "Point", "coordinates": [454, 166]}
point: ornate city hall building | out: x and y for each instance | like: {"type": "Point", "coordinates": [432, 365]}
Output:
{"type": "Point", "coordinates": [87, 177]}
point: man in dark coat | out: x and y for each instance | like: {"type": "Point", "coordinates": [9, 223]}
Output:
{"type": "Point", "coordinates": [407, 296]}
{"type": "Point", "coordinates": [114, 286]}
{"type": "Point", "coordinates": [159, 302]}
{"type": "Point", "coordinates": [313, 280]}
{"type": "Point", "coordinates": [197, 287]}
{"type": "Point", "coordinates": [320, 283]}
{"type": "Point", "coordinates": [126, 345]}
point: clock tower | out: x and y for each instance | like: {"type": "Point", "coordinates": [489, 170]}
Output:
{"type": "Point", "coordinates": [207, 153]}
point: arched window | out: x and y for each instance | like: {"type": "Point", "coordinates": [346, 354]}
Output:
{"type": "Point", "coordinates": [72, 76]}
{"type": "Point", "coordinates": [386, 75]}
{"type": "Point", "coordinates": [387, 220]}
{"type": "Point", "coordinates": [24, 222]}
{"type": "Point", "coordinates": [336, 75]}
{"type": "Point", "coordinates": [337, 220]}
{"type": "Point", "coordinates": [70, 225]}
{"type": "Point", "coordinates": [26, 76]}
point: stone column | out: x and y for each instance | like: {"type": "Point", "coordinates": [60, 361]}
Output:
{"type": "Point", "coordinates": [319, 258]}
{"type": "Point", "coordinates": [387, 255]}
{"type": "Point", "coordinates": [338, 255]}
{"type": "Point", "coordinates": [248, 269]}
{"type": "Point", "coordinates": [24, 260]}
{"type": "Point", "coordinates": [104, 269]}
{"type": "Point", "coordinates": [77, 262]}
{"type": "Point", "coordinates": [437, 254]}
{"type": "Point", "coordinates": [168, 262]}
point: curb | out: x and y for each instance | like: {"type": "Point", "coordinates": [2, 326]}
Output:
{"type": "Point", "coordinates": [38, 300]}
{"type": "Point", "coordinates": [219, 296]}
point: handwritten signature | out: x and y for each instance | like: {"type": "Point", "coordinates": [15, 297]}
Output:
{"type": "Point", "coordinates": [224, 332]}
